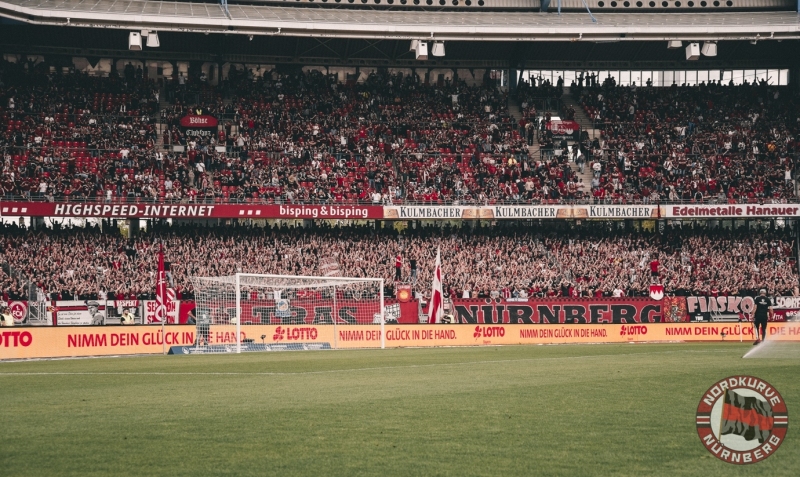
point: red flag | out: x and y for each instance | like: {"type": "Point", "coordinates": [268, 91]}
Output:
{"type": "Point", "coordinates": [161, 288]}
{"type": "Point", "coordinates": [435, 308]}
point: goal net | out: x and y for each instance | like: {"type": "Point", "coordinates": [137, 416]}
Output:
{"type": "Point", "coordinates": [251, 312]}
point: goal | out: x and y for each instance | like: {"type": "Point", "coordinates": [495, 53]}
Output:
{"type": "Point", "coordinates": [253, 312]}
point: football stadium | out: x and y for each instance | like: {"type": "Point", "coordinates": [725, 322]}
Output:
{"type": "Point", "coordinates": [399, 237]}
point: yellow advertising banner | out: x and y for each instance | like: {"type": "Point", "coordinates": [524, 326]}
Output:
{"type": "Point", "coordinates": [103, 341]}
{"type": "Point", "coordinates": [58, 342]}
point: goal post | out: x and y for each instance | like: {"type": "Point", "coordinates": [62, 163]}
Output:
{"type": "Point", "coordinates": [254, 312]}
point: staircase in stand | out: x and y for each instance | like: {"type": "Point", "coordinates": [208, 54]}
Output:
{"type": "Point", "coordinates": [581, 117]}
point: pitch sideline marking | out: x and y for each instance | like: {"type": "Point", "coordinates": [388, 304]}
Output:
{"type": "Point", "coordinates": [328, 371]}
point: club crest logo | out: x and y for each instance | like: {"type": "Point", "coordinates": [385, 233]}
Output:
{"type": "Point", "coordinates": [742, 420]}
{"type": "Point", "coordinates": [657, 292]}
{"type": "Point", "coordinates": [675, 309]}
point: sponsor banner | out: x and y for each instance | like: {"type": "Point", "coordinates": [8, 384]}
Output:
{"type": "Point", "coordinates": [77, 313]}
{"type": "Point", "coordinates": [791, 302]}
{"type": "Point", "coordinates": [561, 311]}
{"type": "Point", "coordinates": [498, 212]}
{"type": "Point", "coordinates": [53, 342]}
{"type": "Point", "coordinates": [62, 342]}
{"type": "Point", "coordinates": [366, 336]}
{"type": "Point", "coordinates": [362, 212]}
{"type": "Point", "coordinates": [729, 211]}
{"type": "Point", "coordinates": [190, 211]}
{"type": "Point", "coordinates": [730, 308]}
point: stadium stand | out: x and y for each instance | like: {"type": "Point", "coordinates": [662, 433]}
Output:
{"type": "Point", "coordinates": [510, 261]}
{"type": "Point", "coordinates": [305, 138]}
{"type": "Point", "coordinates": [710, 142]}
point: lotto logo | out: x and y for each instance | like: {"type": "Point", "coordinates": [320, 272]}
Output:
{"type": "Point", "coordinates": [633, 330]}
{"type": "Point", "coordinates": [489, 332]}
{"type": "Point", "coordinates": [295, 333]}
{"type": "Point", "coordinates": [13, 339]}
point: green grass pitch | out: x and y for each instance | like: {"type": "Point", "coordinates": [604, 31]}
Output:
{"type": "Point", "coordinates": [498, 411]}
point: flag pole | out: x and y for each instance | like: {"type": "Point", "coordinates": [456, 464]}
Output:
{"type": "Point", "coordinates": [739, 325]}
{"type": "Point", "coordinates": [162, 312]}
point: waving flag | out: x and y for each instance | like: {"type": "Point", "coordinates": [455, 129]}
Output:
{"type": "Point", "coordinates": [161, 288]}
{"type": "Point", "coordinates": [746, 416]}
{"type": "Point", "coordinates": [435, 309]}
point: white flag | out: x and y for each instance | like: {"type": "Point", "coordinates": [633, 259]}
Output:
{"type": "Point", "coordinates": [435, 306]}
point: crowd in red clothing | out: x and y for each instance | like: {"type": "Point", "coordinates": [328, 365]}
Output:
{"type": "Point", "coordinates": [304, 137]}
{"type": "Point", "coordinates": [86, 263]}
{"type": "Point", "coordinates": [710, 142]}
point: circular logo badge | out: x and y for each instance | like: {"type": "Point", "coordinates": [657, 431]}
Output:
{"type": "Point", "coordinates": [18, 309]}
{"type": "Point", "coordinates": [742, 420]}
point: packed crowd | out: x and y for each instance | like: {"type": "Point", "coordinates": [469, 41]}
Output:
{"type": "Point", "coordinates": [484, 262]}
{"type": "Point", "coordinates": [709, 142]}
{"type": "Point", "coordinates": [74, 136]}
{"type": "Point", "coordinates": [304, 137]}
{"type": "Point", "coordinates": [293, 137]}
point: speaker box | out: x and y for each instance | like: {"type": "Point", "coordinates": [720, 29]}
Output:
{"type": "Point", "coordinates": [693, 52]}
{"type": "Point", "coordinates": [135, 41]}
{"type": "Point", "coordinates": [422, 50]}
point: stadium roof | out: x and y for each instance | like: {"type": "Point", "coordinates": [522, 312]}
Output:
{"type": "Point", "coordinates": [394, 24]}
{"type": "Point", "coordinates": [60, 44]}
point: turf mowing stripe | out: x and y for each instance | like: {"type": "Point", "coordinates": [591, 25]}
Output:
{"type": "Point", "coordinates": [269, 373]}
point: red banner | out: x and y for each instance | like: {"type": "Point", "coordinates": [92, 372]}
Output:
{"type": "Point", "coordinates": [189, 211]}
{"type": "Point", "coordinates": [563, 128]}
{"type": "Point", "coordinates": [204, 121]}
{"type": "Point", "coordinates": [295, 311]}
{"type": "Point", "coordinates": [560, 310]}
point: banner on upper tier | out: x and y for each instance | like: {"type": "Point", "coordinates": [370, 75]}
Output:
{"type": "Point", "coordinates": [516, 212]}
{"type": "Point", "coordinates": [729, 211]}
{"type": "Point", "coordinates": [199, 123]}
{"type": "Point", "coordinates": [566, 129]}
{"type": "Point", "coordinates": [199, 210]}
{"type": "Point", "coordinates": [37, 342]}
{"type": "Point", "coordinates": [189, 211]}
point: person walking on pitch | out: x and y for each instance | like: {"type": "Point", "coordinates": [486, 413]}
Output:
{"type": "Point", "coordinates": [762, 315]}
